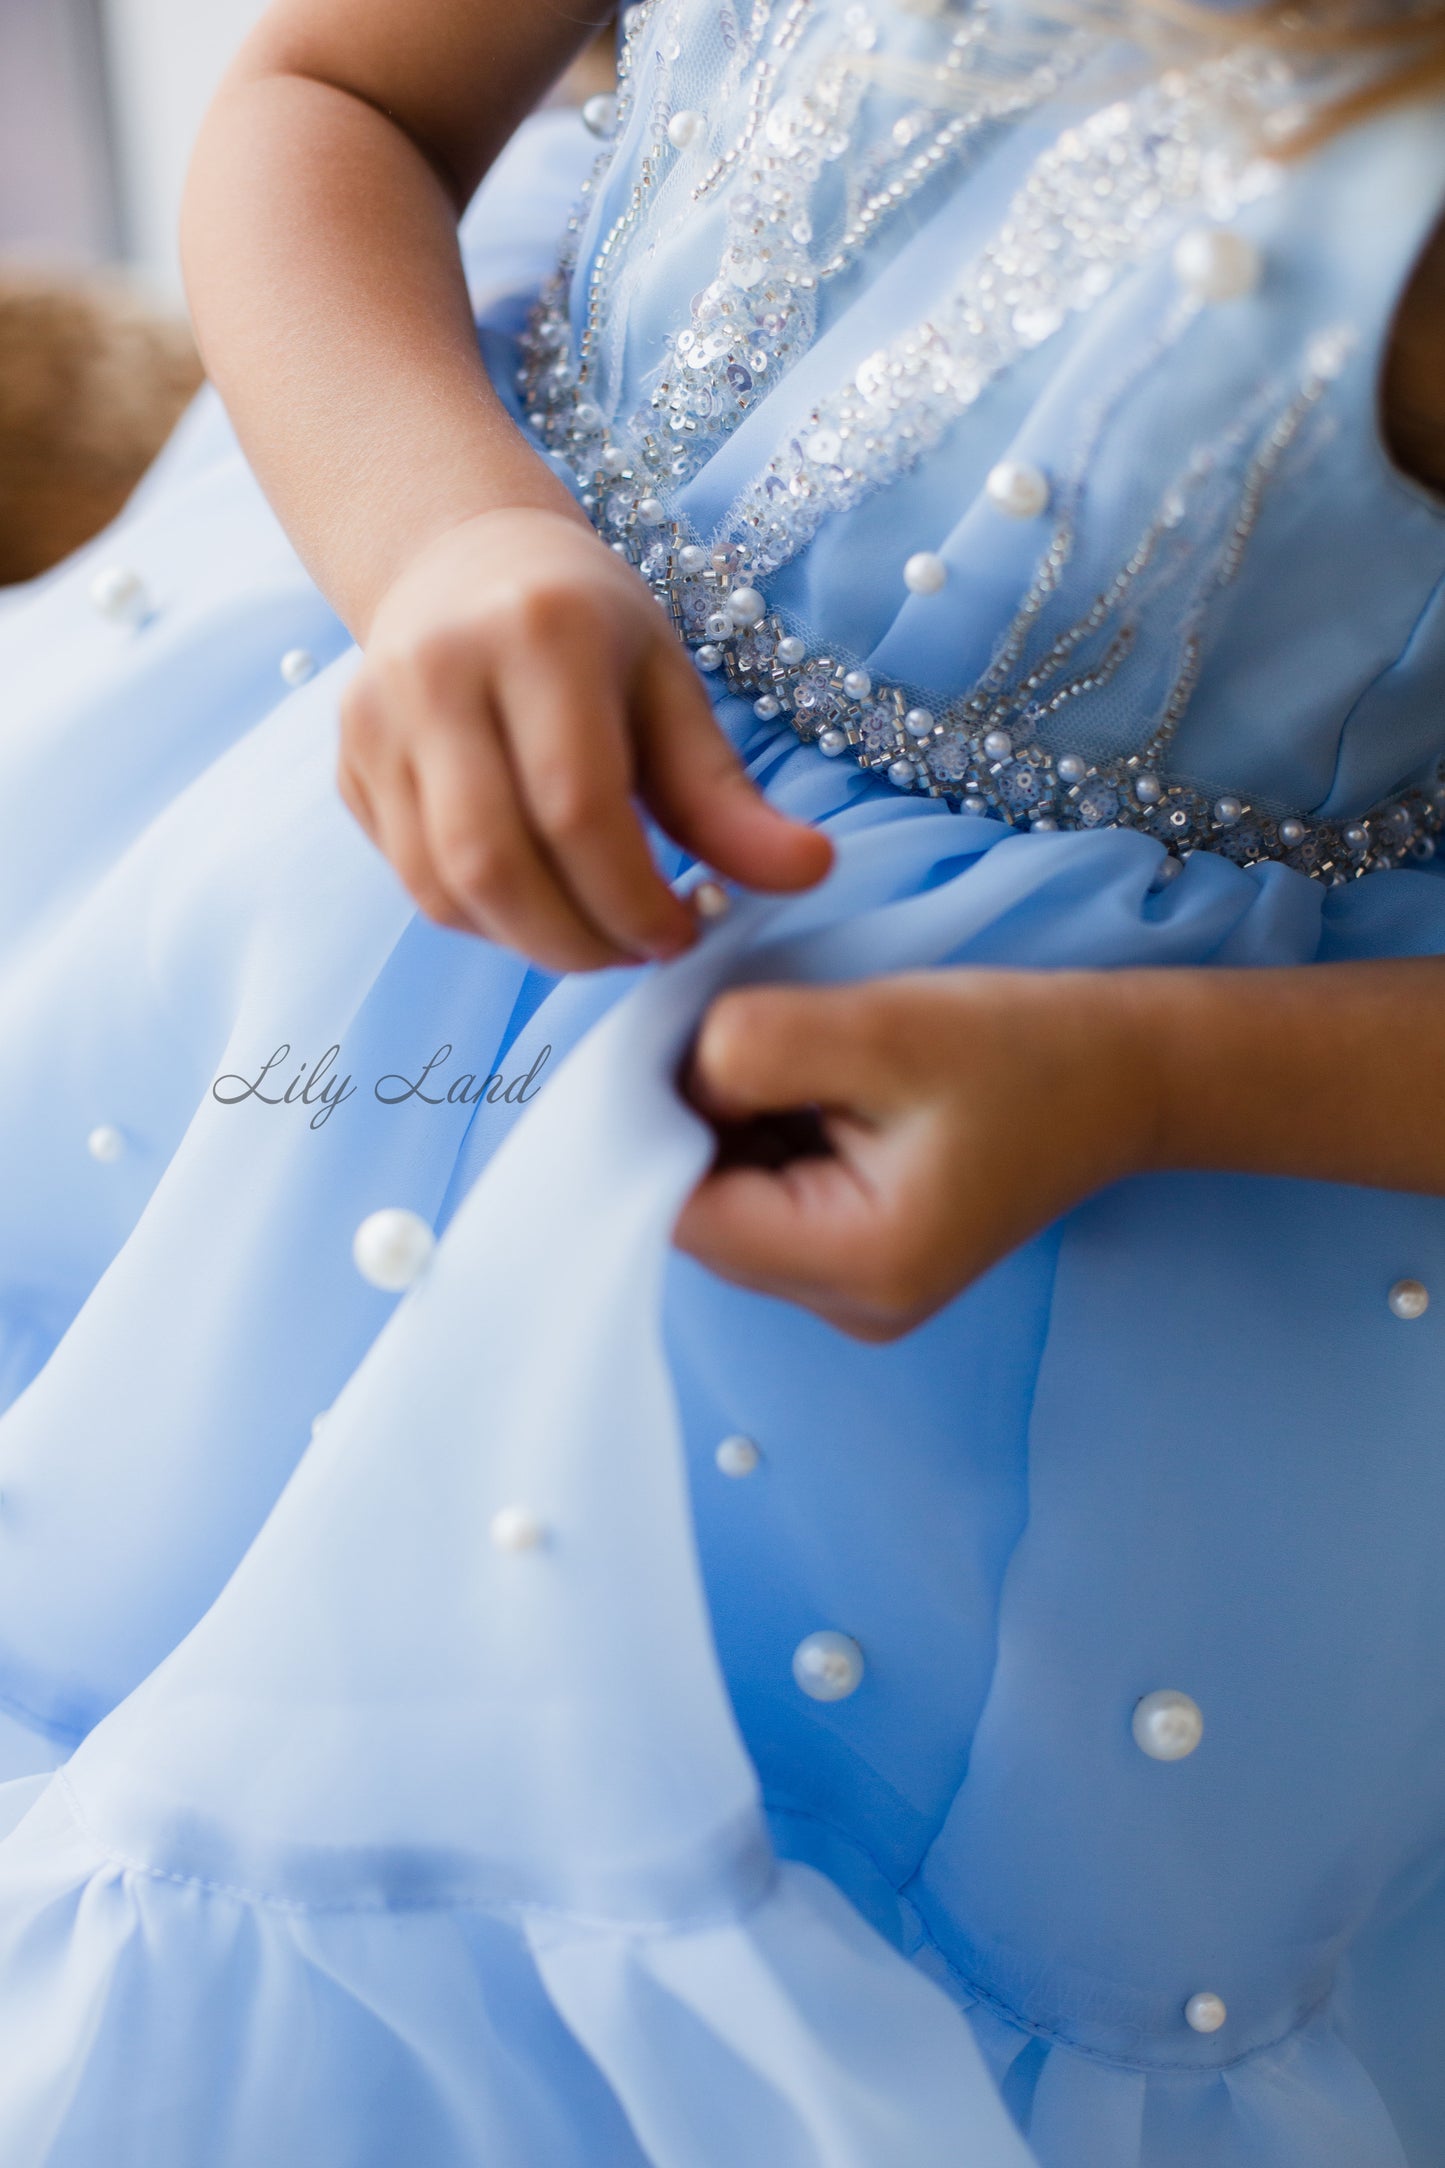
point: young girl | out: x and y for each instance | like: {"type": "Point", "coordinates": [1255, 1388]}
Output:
{"type": "Point", "coordinates": [641, 1722]}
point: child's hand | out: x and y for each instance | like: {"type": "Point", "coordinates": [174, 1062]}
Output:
{"type": "Point", "coordinates": [953, 1115]}
{"type": "Point", "coordinates": [521, 692]}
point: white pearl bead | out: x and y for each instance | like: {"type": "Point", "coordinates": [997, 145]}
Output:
{"type": "Point", "coordinates": [719, 626]}
{"type": "Point", "coordinates": [828, 1666]}
{"type": "Point", "coordinates": [1357, 835]}
{"type": "Point", "coordinates": [600, 113]}
{"type": "Point", "coordinates": [737, 1457]}
{"type": "Point", "coordinates": [1227, 811]}
{"type": "Point", "coordinates": [1148, 789]}
{"type": "Point", "coordinates": [318, 1423]}
{"type": "Point", "coordinates": [998, 745]}
{"type": "Point", "coordinates": [1167, 1726]}
{"type": "Point", "coordinates": [918, 723]}
{"type": "Point", "coordinates": [685, 129]}
{"type": "Point", "coordinates": [746, 607]}
{"type": "Point", "coordinates": [691, 559]}
{"type": "Point", "coordinates": [517, 1528]}
{"type": "Point", "coordinates": [1043, 824]}
{"type": "Point", "coordinates": [708, 657]}
{"type": "Point", "coordinates": [1072, 768]}
{"type": "Point", "coordinates": [791, 651]}
{"type": "Point", "coordinates": [119, 594]}
{"type": "Point", "coordinates": [832, 742]}
{"type": "Point", "coordinates": [1214, 263]}
{"type": "Point", "coordinates": [1204, 2013]}
{"type": "Point", "coordinates": [767, 707]}
{"type": "Point", "coordinates": [106, 1144]}
{"type": "Point", "coordinates": [1292, 834]}
{"type": "Point", "coordinates": [976, 805]}
{"type": "Point", "coordinates": [925, 573]}
{"type": "Point", "coordinates": [652, 511]}
{"type": "Point", "coordinates": [1018, 489]}
{"type": "Point", "coordinates": [1409, 1298]}
{"type": "Point", "coordinates": [1167, 870]}
{"type": "Point", "coordinates": [298, 667]}
{"type": "Point", "coordinates": [392, 1249]}
{"type": "Point", "coordinates": [615, 461]}
{"type": "Point", "coordinates": [711, 900]}
{"type": "Point", "coordinates": [902, 774]}
{"type": "Point", "coordinates": [857, 684]}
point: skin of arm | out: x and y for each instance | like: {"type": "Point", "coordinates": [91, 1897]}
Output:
{"type": "Point", "coordinates": [521, 693]}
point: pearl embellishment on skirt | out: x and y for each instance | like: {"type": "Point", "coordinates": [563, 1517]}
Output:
{"type": "Point", "coordinates": [925, 573]}
{"type": "Point", "coordinates": [1409, 1298]}
{"type": "Point", "coordinates": [737, 1457]}
{"type": "Point", "coordinates": [828, 1666]}
{"type": "Point", "coordinates": [517, 1528]}
{"type": "Point", "coordinates": [298, 667]}
{"type": "Point", "coordinates": [106, 1144]}
{"type": "Point", "coordinates": [1214, 263]}
{"type": "Point", "coordinates": [711, 900]}
{"type": "Point", "coordinates": [1167, 1726]}
{"type": "Point", "coordinates": [1018, 489]}
{"type": "Point", "coordinates": [1204, 2013]}
{"type": "Point", "coordinates": [599, 114]}
{"type": "Point", "coordinates": [119, 594]}
{"type": "Point", "coordinates": [685, 129]}
{"type": "Point", "coordinates": [392, 1249]}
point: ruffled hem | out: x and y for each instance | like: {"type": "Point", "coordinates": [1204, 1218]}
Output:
{"type": "Point", "coordinates": [1304, 2101]}
{"type": "Point", "coordinates": [156, 2022]}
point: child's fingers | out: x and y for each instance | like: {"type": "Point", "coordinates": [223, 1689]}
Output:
{"type": "Point", "coordinates": [695, 785]}
{"type": "Point", "coordinates": [486, 859]}
{"type": "Point", "coordinates": [764, 1049]}
{"type": "Point", "coordinates": [567, 740]}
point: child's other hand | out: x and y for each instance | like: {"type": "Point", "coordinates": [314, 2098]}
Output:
{"type": "Point", "coordinates": [953, 1114]}
{"type": "Point", "coordinates": [521, 692]}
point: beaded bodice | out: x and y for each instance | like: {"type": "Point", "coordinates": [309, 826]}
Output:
{"type": "Point", "coordinates": [991, 405]}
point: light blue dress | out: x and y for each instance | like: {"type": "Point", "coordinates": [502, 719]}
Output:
{"type": "Point", "coordinates": [637, 1727]}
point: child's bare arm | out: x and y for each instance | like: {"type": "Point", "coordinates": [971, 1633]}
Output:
{"type": "Point", "coordinates": [521, 691]}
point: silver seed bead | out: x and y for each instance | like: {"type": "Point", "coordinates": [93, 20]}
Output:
{"type": "Point", "coordinates": [925, 573]}
{"type": "Point", "coordinates": [998, 745]}
{"type": "Point", "coordinates": [708, 657]}
{"type": "Point", "coordinates": [857, 684]}
{"type": "Point", "coordinates": [791, 651]}
{"type": "Point", "coordinates": [1409, 1299]}
{"type": "Point", "coordinates": [918, 723]}
{"type": "Point", "coordinates": [832, 742]}
{"type": "Point", "coordinates": [746, 607]}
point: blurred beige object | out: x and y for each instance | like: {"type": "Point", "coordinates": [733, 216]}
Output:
{"type": "Point", "coordinates": [92, 381]}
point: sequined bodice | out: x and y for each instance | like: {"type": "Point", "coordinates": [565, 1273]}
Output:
{"type": "Point", "coordinates": [992, 407]}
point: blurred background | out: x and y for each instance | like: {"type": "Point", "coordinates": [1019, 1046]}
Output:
{"type": "Point", "coordinates": [99, 103]}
